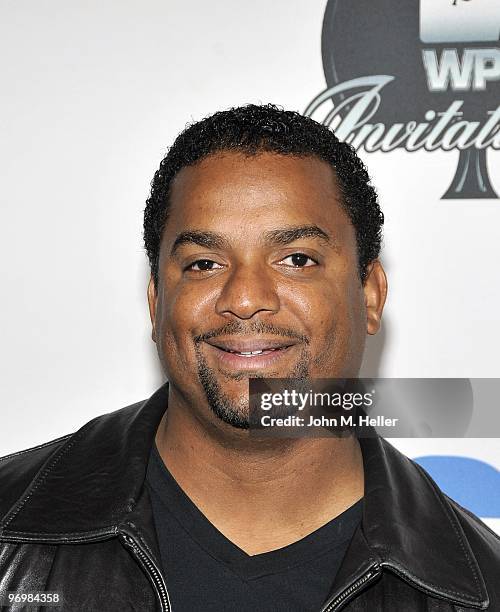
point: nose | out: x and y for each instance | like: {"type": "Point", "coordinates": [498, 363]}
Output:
{"type": "Point", "coordinates": [247, 290]}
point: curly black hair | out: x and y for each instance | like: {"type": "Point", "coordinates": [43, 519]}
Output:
{"type": "Point", "coordinates": [252, 129]}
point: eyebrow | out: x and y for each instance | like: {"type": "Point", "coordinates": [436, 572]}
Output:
{"type": "Point", "coordinates": [281, 236]}
{"type": "Point", "coordinates": [209, 240]}
{"type": "Point", "coordinates": [286, 235]}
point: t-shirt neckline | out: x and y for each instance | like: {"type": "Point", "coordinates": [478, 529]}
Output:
{"type": "Point", "coordinates": [333, 534]}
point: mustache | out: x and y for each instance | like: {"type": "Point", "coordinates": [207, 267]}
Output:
{"type": "Point", "coordinates": [237, 328]}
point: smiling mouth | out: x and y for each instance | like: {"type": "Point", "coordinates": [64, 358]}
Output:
{"type": "Point", "coordinates": [254, 353]}
{"type": "Point", "coordinates": [249, 355]}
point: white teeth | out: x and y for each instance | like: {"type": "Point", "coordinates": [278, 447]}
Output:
{"type": "Point", "coordinates": [251, 353]}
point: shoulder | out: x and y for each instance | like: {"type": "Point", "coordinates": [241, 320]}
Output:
{"type": "Point", "coordinates": [19, 469]}
{"type": "Point", "coordinates": [477, 533]}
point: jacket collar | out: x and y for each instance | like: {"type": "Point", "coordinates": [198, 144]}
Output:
{"type": "Point", "coordinates": [91, 485]}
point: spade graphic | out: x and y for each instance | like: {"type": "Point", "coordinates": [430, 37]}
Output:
{"type": "Point", "coordinates": [387, 37]}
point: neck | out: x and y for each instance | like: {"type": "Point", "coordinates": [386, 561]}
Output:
{"type": "Point", "coordinates": [261, 494]}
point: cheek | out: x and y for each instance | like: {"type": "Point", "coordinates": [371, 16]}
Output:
{"type": "Point", "coordinates": [336, 322]}
{"type": "Point", "coordinates": [181, 313]}
{"type": "Point", "coordinates": [349, 333]}
{"type": "Point", "coordinates": [173, 323]}
{"type": "Point", "coordinates": [329, 306]}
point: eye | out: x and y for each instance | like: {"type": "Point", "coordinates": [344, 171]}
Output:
{"type": "Point", "coordinates": [204, 265]}
{"type": "Point", "coordinates": [299, 260]}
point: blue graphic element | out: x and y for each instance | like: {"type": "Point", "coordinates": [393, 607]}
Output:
{"type": "Point", "coordinates": [474, 484]}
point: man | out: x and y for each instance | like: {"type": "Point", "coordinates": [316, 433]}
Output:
{"type": "Point", "coordinates": [263, 235]}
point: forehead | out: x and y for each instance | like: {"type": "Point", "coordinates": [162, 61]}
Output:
{"type": "Point", "coordinates": [234, 192]}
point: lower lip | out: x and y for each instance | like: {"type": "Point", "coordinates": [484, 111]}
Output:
{"type": "Point", "coordinates": [240, 362]}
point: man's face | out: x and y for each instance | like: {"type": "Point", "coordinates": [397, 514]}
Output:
{"type": "Point", "coordinates": [257, 256]}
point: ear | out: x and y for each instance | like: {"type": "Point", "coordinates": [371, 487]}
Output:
{"type": "Point", "coordinates": [375, 290]}
{"type": "Point", "coordinates": [152, 306]}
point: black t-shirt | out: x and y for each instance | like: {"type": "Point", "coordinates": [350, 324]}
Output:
{"type": "Point", "coordinates": [204, 571]}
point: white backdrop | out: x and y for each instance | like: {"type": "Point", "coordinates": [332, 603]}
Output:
{"type": "Point", "coordinates": [93, 93]}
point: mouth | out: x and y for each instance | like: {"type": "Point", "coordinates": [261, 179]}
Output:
{"type": "Point", "coordinates": [255, 354]}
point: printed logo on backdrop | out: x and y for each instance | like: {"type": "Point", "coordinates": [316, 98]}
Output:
{"type": "Point", "coordinates": [416, 74]}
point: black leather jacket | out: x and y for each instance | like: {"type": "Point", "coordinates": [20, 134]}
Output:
{"type": "Point", "coordinates": [77, 520]}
